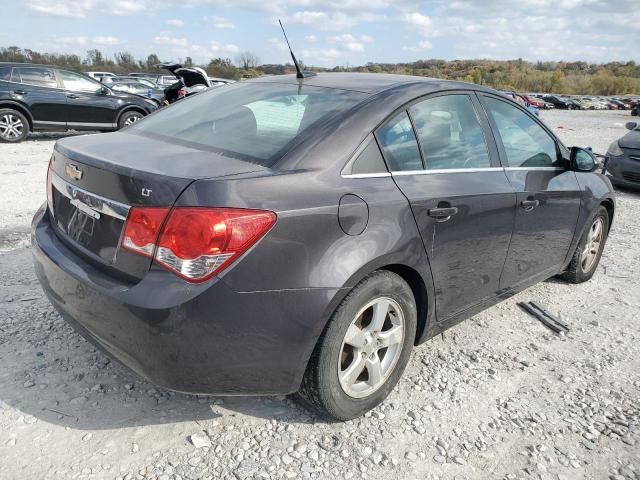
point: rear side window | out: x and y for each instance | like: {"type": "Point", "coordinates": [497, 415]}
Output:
{"type": "Point", "coordinates": [39, 76]}
{"type": "Point", "coordinates": [79, 83]}
{"type": "Point", "coordinates": [253, 121]}
{"type": "Point", "coordinates": [399, 144]}
{"type": "Point", "coordinates": [368, 161]}
{"type": "Point", "coordinates": [450, 134]}
{"type": "Point", "coordinates": [5, 73]}
{"type": "Point", "coordinates": [526, 143]}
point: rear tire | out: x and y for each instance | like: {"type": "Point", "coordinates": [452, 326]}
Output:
{"type": "Point", "coordinates": [364, 349]}
{"type": "Point", "coordinates": [129, 118]}
{"type": "Point", "coordinates": [14, 126]}
{"type": "Point", "coordinates": [588, 252]}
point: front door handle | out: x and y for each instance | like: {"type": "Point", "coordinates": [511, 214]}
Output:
{"type": "Point", "coordinates": [442, 213]}
{"type": "Point", "coordinates": [20, 92]}
{"type": "Point", "coordinates": [72, 96]}
{"type": "Point", "coordinates": [529, 205]}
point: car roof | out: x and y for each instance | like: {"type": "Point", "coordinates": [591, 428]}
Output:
{"type": "Point", "coordinates": [365, 82]}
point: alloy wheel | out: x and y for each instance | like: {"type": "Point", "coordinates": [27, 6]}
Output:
{"type": "Point", "coordinates": [11, 127]}
{"type": "Point", "coordinates": [131, 119]}
{"type": "Point", "coordinates": [592, 247]}
{"type": "Point", "coordinates": [371, 347]}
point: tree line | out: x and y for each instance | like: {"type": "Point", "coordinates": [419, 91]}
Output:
{"type": "Point", "coordinates": [612, 78]}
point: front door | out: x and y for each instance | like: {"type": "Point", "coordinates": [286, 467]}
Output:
{"type": "Point", "coordinates": [460, 197]}
{"type": "Point", "coordinates": [88, 106]}
{"type": "Point", "coordinates": [38, 89]}
{"type": "Point", "coordinates": [548, 194]}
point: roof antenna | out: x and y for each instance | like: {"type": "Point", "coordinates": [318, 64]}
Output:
{"type": "Point", "coordinates": [299, 73]}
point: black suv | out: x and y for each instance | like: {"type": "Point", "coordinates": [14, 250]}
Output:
{"type": "Point", "coordinates": [41, 97]}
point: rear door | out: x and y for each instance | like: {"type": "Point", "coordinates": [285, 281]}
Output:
{"type": "Point", "coordinates": [460, 196]}
{"type": "Point", "coordinates": [548, 195]}
{"type": "Point", "coordinates": [38, 89]}
{"type": "Point", "coordinates": [87, 105]}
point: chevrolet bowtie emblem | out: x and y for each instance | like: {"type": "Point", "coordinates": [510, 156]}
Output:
{"type": "Point", "coordinates": [73, 171]}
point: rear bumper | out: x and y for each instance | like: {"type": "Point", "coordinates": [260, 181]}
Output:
{"type": "Point", "coordinates": [191, 338]}
{"type": "Point", "coordinates": [623, 171]}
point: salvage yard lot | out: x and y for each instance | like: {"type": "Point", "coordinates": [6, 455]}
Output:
{"type": "Point", "coordinates": [498, 397]}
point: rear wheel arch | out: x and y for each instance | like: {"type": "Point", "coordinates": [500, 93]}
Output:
{"type": "Point", "coordinates": [419, 289]}
{"type": "Point", "coordinates": [19, 108]}
{"type": "Point", "coordinates": [610, 206]}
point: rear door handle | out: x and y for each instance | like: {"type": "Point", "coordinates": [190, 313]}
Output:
{"type": "Point", "coordinates": [72, 96]}
{"type": "Point", "coordinates": [442, 213]}
{"type": "Point", "coordinates": [529, 205]}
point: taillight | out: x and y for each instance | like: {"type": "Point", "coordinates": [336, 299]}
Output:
{"type": "Point", "coordinates": [195, 243]}
{"type": "Point", "coordinates": [142, 229]}
{"type": "Point", "coordinates": [50, 187]}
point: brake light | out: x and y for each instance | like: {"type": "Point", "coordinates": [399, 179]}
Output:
{"type": "Point", "coordinates": [142, 229]}
{"type": "Point", "coordinates": [195, 243]}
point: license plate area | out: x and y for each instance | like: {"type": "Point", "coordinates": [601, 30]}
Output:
{"type": "Point", "coordinates": [92, 222]}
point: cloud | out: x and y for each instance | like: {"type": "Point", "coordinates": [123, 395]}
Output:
{"type": "Point", "coordinates": [220, 22]}
{"type": "Point", "coordinates": [351, 43]}
{"type": "Point", "coordinates": [275, 42]}
{"type": "Point", "coordinates": [320, 55]}
{"type": "Point", "coordinates": [106, 40]}
{"type": "Point", "coordinates": [170, 41]}
{"type": "Point", "coordinates": [175, 22]}
{"type": "Point", "coordinates": [330, 20]}
{"type": "Point", "coordinates": [421, 47]}
{"type": "Point", "coordinates": [416, 18]}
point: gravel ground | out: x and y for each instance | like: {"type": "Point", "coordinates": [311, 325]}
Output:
{"type": "Point", "coordinates": [499, 397]}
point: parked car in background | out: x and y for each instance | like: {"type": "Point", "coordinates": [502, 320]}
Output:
{"type": "Point", "coordinates": [125, 78]}
{"type": "Point", "coordinates": [560, 102]}
{"type": "Point", "coordinates": [46, 98]}
{"type": "Point", "coordinates": [522, 100]}
{"type": "Point", "coordinates": [187, 81]}
{"type": "Point", "coordinates": [137, 87]}
{"type": "Point", "coordinates": [212, 248]}
{"type": "Point", "coordinates": [100, 76]}
{"type": "Point", "coordinates": [622, 161]}
{"type": "Point", "coordinates": [537, 102]}
{"type": "Point", "coordinates": [151, 76]}
{"type": "Point", "coordinates": [216, 81]}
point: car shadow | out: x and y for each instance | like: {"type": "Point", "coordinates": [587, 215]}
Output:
{"type": "Point", "coordinates": [52, 374]}
{"type": "Point", "coordinates": [40, 136]}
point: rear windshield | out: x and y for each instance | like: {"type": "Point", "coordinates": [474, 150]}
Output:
{"type": "Point", "coordinates": [251, 121]}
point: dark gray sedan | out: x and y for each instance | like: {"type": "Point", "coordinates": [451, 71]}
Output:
{"type": "Point", "coordinates": [622, 161]}
{"type": "Point", "coordinates": [283, 235]}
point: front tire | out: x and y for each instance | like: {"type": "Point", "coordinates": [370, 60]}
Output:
{"type": "Point", "coordinates": [14, 126]}
{"type": "Point", "coordinates": [589, 250]}
{"type": "Point", "coordinates": [129, 118]}
{"type": "Point", "coordinates": [364, 349]}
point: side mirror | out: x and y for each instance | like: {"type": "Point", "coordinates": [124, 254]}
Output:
{"type": "Point", "coordinates": [632, 125]}
{"type": "Point", "coordinates": [103, 91]}
{"type": "Point", "coordinates": [582, 160]}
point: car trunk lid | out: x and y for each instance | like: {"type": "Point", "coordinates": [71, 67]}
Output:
{"type": "Point", "coordinates": [97, 179]}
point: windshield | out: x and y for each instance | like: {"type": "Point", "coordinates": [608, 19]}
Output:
{"type": "Point", "coordinates": [251, 121]}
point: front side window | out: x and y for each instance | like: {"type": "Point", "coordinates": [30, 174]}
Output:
{"type": "Point", "coordinates": [450, 134]}
{"type": "Point", "coordinates": [525, 142]}
{"type": "Point", "coordinates": [253, 121]}
{"type": "Point", "coordinates": [38, 76]}
{"type": "Point", "coordinates": [399, 144]}
{"type": "Point", "coordinates": [79, 83]}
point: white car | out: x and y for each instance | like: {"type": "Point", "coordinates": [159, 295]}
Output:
{"type": "Point", "coordinates": [100, 76]}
